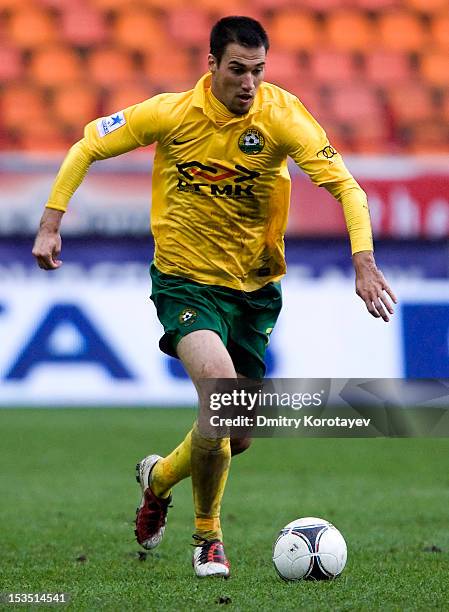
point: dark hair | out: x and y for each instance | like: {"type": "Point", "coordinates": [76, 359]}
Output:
{"type": "Point", "coordinates": [242, 30]}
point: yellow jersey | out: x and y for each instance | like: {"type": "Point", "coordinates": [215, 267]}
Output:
{"type": "Point", "coordinates": [221, 187]}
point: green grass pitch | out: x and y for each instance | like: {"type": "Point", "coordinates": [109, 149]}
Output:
{"type": "Point", "coordinates": [68, 498]}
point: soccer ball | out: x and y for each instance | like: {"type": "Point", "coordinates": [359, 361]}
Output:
{"type": "Point", "coordinates": [309, 548]}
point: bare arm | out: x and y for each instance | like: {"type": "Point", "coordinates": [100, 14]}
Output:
{"type": "Point", "coordinates": [371, 285]}
{"type": "Point", "coordinates": [47, 246]}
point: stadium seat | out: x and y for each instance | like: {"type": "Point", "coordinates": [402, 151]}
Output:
{"type": "Point", "coordinates": [294, 30]}
{"type": "Point", "coordinates": [54, 65]}
{"type": "Point", "coordinates": [22, 104]}
{"type": "Point", "coordinates": [384, 67]}
{"type": "Point", "coordinates": [283, 68]}
{"type": "Point", "coordinates": [83, 26]}
{"type": "Point", "coordinates": [190, 27]}
{"type": "Point", "coordinates": [410, 102]}
{"type": "Point", "coordinates": [309, 94]}
{"type": "Point", "coordinates": [11, 66]}
{"type": "Point", "coordinates": [163, 5]}
{"type": "Point", "coordinates": [377, 5]}
{"type": "Point", "coordinates": [431, 136]}
{"type": "Point", "coordinates": [435, 68]}
{"type": "Point", "coordinates": [369, 136]}
{"type": "Point", "coordinates": [110, 66]}
{"type": "Point", "coordinates": [167, 67]}
{"type": "Point", "coordinates": [122, 97]}
{"type": "Point", "coordinates": [64, 5]}
{"type": "Point", "coordinates": [323, 6]}
{"type": "Point", "coordinates": [32, 26]}
{"type": "Point", "coordinates": [137, 29]}
{"type": "Point", "coordinates": [349, 30]}
{"type": "Point", "coordinates": [75, 105]}
{"type": "Point", "coordinates": [108, 6]}
{"type": "Point", "coordinates": [445, 106]}
{"type": "Point", "coordinates": [329, 66]}
{"type": "Point", "coordinates": [9, 6]}
{"type": "Point", "coordinates": [355, 103]}
{"type": "Point", "coordinates": [44, 133]}
{"type": "Point", "coordinates": [439, 31]}
{"type": "Point", "coordinates": [401, 31]}
{"type": "Point", "coordinates": [233, 7]}
{"type": "Point", "coordinates": [427, 6]}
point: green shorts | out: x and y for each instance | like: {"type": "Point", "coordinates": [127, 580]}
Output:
{"type": "Point", "coordinates": [243, 321]}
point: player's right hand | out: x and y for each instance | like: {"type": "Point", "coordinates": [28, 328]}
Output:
{"type": "Point", "coordinates": [47, 248]}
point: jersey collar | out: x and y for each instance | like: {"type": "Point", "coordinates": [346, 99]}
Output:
{"type": "Point", "coordinates": [199, 98]}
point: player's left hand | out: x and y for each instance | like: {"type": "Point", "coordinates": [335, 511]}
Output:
{"type": "Point", "coordinates": [372, 287]}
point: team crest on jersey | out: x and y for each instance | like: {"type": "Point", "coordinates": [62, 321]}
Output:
{"type": "Point", "coordinates": [188, 316]}
{"type": "Point", "coordinates": [251, 141]}
{"type": "Point", "coordinates": [106, 125]}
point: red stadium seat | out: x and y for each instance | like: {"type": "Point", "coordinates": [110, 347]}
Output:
{"type": "Point", "coordinates": [410, 102]}
{"type": "Point", "coordinates": [431, 136]}
{"type": "Point", "coordinates": [445, 106]}
{"type": "Point", "coordinates": [55, 65]}
{"type": "Point", "coordinates": [331, 67]}
{"type": "Point", "coordinates": [190, 27]}
{"type": "Point", "coordinates": [283, 68]}
{"type": "Point", "coordinates": [11, 66]}
{"type": "Point", "coordinates": [294, 30]}
{"type": "Point", "coordinates": [32, 26]}
{"type": "Point", "coordinates": [108, 5]}
{"type": "Point", "coordinates": [355, 103]}
{"type": "Point", "coordinates": [401, 31]}
{"type": "Point", "coordinates": [83, 26]}
{"type": "Point", "coordinates": [349, 31]}
{"type": "Point", "coordinates": [384, 67]}
{"type": "Point", "coordinates": [324, 6]}
{"type": "Point", "coordinates": [368, 136]}
{"type": "Point", "coordinates": [309, 94]}
{"type": "Point", "coordinates": [163, 5]}
{"type": "Point", "coordinates": [377, 5]}
{"type": "Point", "coordinates": [111, 66]}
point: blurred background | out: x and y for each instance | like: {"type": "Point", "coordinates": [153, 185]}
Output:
{"type": "Point", "coordinates": [375, 73]}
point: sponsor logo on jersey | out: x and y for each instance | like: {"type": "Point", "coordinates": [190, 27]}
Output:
{"type": "Point", "coordinates": [106, 125]}
{"type": "Point", "coordinates": [328, 152]}
{"type": "Point", "coordinates": [216, 180]}
{"type": "Point", "coordinates": [188, 316]}
{"type": "Point", "coordinates": [177, 142]}
{"type": "Point", "coordinates": [251, 141]}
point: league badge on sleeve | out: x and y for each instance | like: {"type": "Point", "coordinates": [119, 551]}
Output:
{"type": "Point", "coordinates": [106, 125]}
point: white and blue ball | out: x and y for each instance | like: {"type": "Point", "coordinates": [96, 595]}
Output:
{"type": "Point", "coordinates": [309, 548]}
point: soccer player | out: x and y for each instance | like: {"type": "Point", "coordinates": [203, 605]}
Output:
{"type": "Point", "coordinates": [221, 193]}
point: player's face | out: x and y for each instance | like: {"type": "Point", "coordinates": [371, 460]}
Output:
{"type": "Point", "coordinates": [236, 79]}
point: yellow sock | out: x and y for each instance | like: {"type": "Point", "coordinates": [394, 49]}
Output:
{"type": "Point", "coordinates": [210, 461]}
{"type": "Point", "coordinates": [171, 469]}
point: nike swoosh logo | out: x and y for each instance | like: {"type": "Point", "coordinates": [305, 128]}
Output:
{"type": "Point", "coordinates": [181, 142]}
